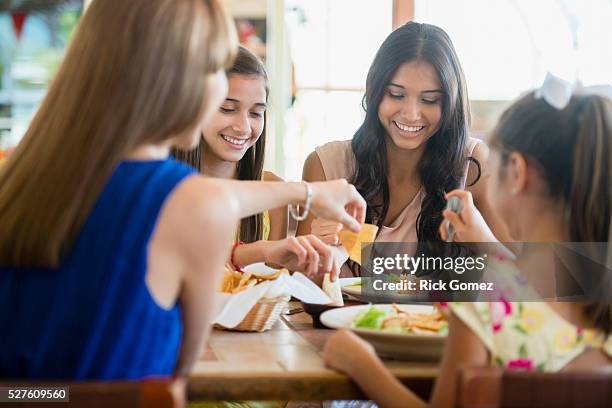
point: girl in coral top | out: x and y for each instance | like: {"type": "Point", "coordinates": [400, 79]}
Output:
{"type": "Point", "coordinates": [413, 146]}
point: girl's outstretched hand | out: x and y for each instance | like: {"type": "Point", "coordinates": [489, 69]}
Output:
{"type": "Point", "coordinates": [338, 201]}
{"type": "Point", "coordinates": [345, 351]}
{"type": "Point", "coordinates": [469, 224]}
{"type": "Point", "coordinates": [327, 231]}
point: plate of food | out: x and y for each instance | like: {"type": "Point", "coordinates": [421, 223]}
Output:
{"type": "Point", "coordinates": [403, 332]}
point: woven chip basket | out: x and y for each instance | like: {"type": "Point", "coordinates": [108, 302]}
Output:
{"type": "Point", "coordinates": [262, 316]}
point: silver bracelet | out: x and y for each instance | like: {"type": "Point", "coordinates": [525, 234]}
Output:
{"type": "Point", "coordinates": [294, 210]}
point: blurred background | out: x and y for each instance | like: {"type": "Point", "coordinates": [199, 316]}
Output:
{"type": "Point", "coordinates": [318, 53]}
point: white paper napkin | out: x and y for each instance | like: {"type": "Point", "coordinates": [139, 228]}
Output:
{"type": "Point", "coordinates": [296, 285]}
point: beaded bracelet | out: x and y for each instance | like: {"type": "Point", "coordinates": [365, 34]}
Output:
{"type": "Point", "coordinates": [294, 210]}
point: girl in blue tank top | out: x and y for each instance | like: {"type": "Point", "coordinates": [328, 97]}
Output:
{"type": "Point", "coordinates": [111, 253]}
{"type": "Point", "coordinates": [93, 317]}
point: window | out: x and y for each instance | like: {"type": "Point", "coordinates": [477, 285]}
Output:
{"type": "Point", "coordinates": [507, 46]}
{"type": "Point", "coordinates": [32, 44]}
{"type": "Point", "coordinates": [332, 43]}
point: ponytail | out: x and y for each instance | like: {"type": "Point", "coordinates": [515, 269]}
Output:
{"type": "Point", "coordinates": [591, 191]}
{"type": "Point", "coordinates": [590, 202]}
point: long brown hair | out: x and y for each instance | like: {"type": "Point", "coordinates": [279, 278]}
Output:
{"type": "Point", "coordinates": [135, 72]}
{"type": "Point", "coordinates": [444, 160]}
{"type": "Point", "coordinates": [573, 151]}
{"type": "Point", "coordinates": [250, 167]}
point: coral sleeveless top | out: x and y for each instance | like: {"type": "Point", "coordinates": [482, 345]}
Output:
{"type": "Point", "coordinates": [339, 162]}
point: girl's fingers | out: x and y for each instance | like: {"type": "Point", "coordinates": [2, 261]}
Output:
{"type": "Point", "coordinates": [454, 219]}
{"type": "Point", "coordinates": [328, 229]}
{"type": "Point", "coordinates": [358, 203]}
{"type": "Point", "coordinates": [457, 193]}
{"type": "Point", "coordinates": [352, 211]}
{"type": "Point", "coordinates": [465, 197]}
{"type": "Point", "coordinates": [324, 251]}
{"type": "Point", "coordinates": [357, 212]}
{"type": "Point", "coordinates": [331, 239]}
{"type": "Point", "coordinates": [313, 256]}
{"type": "Point", "coordinates": [350, 222]}
{"type": "Point", "coordinates": [361, 214]}
{"type": "Point", "coordinates": [468, 203]}
{"type": "Point", "coordinates": [442, 230]}
{"type": "Point", "coordinates": [298, 250]}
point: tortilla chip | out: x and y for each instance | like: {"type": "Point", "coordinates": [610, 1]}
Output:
{"type": "Point", "coordinates": [236, 282]}
{"type": "Point", "coordinates": [352, 242]}
{"type": "Point", "coordinates": [227, 281]}
{"type": "Point", "coordinates": [333, 290]}
{"type": "Point", "coordinates": [424, 323]}
{"type": "Point", "coordinates": [248, 285]}
{"type": "Point", "coordinates": [270, 276]}
{"type": "Point", "coordinates": [245, 278]}
{"type": "Point", "coordinates": [433, 325]}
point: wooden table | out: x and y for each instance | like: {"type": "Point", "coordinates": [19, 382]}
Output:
{"type": "Point", "coordinates": [284, 364]}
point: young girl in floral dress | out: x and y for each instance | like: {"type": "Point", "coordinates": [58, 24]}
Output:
{"type": "Point", "coordinates": [551, 175]}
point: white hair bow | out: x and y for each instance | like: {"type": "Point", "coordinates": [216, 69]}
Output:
{"type": "Point", "coordinates": [558, 92]}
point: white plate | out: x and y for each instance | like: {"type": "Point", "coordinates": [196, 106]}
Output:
{"type": "Point", "coordinates": [350, 287]}
{"type": "Point", "coordinates": [408, 346]}
{"type": "Point", "coordinates": [349, 281]}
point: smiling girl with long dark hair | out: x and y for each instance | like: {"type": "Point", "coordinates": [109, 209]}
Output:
{"type": "Point", "coordinates": [413, 145]}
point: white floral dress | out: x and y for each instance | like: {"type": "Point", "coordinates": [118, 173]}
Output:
{"type": "Point", "coordinates": [527, 335]}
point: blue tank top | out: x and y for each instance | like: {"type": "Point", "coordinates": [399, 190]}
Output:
{"type": "Point", "coordinates": [94, 317]}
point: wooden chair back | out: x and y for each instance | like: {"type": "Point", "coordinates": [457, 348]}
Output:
{"type": "Point", "coordinates": [487, 387]}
